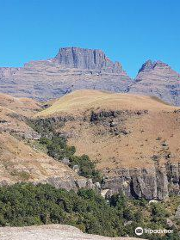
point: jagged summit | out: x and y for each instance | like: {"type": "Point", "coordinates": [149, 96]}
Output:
{"type": "Point", "coordinates": [82, 58]}
{"type": "Point", "coordinates": [150, 65]}
{"type": "Point", "coordinates": [158, 79]}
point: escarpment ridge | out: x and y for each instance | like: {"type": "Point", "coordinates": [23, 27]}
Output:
{"type": "Point", "coordinates": [75, 68]}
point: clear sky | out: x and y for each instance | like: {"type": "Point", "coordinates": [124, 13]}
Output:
{"type": "Point", "coordinates": [130, 31]}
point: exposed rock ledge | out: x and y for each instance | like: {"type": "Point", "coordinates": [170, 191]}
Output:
{"type": "Point", "coordinates": [53, 232]}
{"type": "Point", "coordinates": [155, 183]}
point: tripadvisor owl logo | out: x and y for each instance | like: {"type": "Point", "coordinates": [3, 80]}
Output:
{"type": "Point", "coordinates": [138, 231]}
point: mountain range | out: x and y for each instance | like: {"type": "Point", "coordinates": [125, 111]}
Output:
{"type": "Point", "coordinates": [76, 68]}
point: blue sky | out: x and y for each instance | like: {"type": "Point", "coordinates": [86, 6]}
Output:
{"type": "Point", "coordinates": [130, 31]}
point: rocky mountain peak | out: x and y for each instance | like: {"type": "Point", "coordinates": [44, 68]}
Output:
{"type": "Point", "coordinates": [150, 65]}
{"type": "Point", "coordinates": [161, 65]}
{"type": "Point", "coordinates": [158, 79]}
{"type": "Point", "coordinates": [75, 57]}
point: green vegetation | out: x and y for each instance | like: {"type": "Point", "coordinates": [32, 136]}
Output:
{"type": "Point", "coordinates": [26, 204]}
{"type": "Point", "coordinates": [87, 167]}
{"type": "Point", "coordinates": [24, 176]}
{"type": "Point", "coordinates": [56, 147]}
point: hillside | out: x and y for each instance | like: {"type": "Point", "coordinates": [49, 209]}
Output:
{"type": "Point", "coordinates": [150, 115]}
{"type": "Point", "coordinates": [22, 161]}
{"type": "Point", "coordinates": [80, 101]}
{"type": "Point", "coordinates": [13, 115]}
{"type": "Point", "coordinates": [24, 106]}
{"type": "Point", "coordinates": [124, 134]}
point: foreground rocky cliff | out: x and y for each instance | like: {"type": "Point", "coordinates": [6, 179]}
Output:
{"type": "Point", "coordinates": [133, 139]}
{"type": "Point", "coordinates": [53, 232]}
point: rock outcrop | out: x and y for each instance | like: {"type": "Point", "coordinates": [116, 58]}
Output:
{"type": "Point", "coordinates": [160, 80]}
{"type": "Point", "coordinates": [6, 72]}
{"type": "Point", "coordinates": [150, 183]}
{"type": "Point", "coordinates": [81, 58]}
{"type": "Point", "coordinates": [52, 232]}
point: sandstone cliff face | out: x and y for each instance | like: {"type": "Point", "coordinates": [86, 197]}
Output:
{"type": "Point", "coordinates": [150, 183]}
{"type": "Point", "coordinates": [160, 80]}
{"type": "Point", "coordinates": [81, 58]}
{"type": "Point", "coordinates": [71, 69]}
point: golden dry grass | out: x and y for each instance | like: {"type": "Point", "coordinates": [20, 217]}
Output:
{"type": "Point", "coordinates": [13, 112]}
{"type": "Point", "coordinates": [23, 106]}
{"type": "Point", "coordinates": [146, 132]}
{"type": "Point", "coordinates": [19, 162]}
{"type": "Point", "coordinates": [79, 101]}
